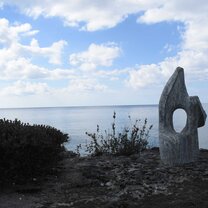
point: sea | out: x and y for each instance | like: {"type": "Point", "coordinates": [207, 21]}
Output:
{"type": "Point", "coordinates": [76, 121]}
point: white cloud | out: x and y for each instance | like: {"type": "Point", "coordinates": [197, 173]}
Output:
{"type": "Point", "coordinates": [77, 86]}
{"type": "Point", "coordinates": [53, 52]}
{"type": "Point", "coordinates": [96, 55]}
{"type": "Point", "coordinates": [11, 34]}
{"type": "Point", "coordinates": [95, 15]}
{"type": "Point", "coordinates": [60, 73]}
{"type": "Point", "coordinates": [192, 55]}
{"type": "Point", "coordinates": [21, 68]}
{"type": "Point", "coordinates": [144, 76]}
{"type": "Point", "coordinates": [176, 10]}
{"type": "Point", "coordinates": [30, 33]}
{"type": "Point", "coordinates": [85, 85]}
{"type": "Point", "coordinates": [195, 64]}
{"type": "Point", "coordinates": [111, 73]}
{"type": "Point", "coordinates": [21, 88]}
{"type": "Point", "coordinates": [16, 58]}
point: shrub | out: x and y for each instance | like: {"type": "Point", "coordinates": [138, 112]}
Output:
{"type": "Point", "coordinates": [27, 151]}
{"type": "Point", "coordinates": [132, 140]}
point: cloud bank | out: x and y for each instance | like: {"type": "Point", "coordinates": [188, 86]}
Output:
{"type": "Point", "coordinates": [86, 69]}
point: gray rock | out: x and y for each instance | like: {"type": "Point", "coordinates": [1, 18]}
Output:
{"type": "Point", "coordinates": [179, 148]}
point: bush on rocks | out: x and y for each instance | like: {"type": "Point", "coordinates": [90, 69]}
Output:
{"type": "Point", "coordinates": [27, 151]}
{"type": "Point", "coordinates": [132, 140]}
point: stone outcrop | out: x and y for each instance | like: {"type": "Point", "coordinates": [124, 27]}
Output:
{"type": "Point", "coordinates": [115, 182]}
{"type": "Point", "coordinates": [179, 147]}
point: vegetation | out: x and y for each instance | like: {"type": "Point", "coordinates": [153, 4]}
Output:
{"type": "Point", "coordinates": [27, 151]}
{"type": "Point", "coordinates": [132, 140]}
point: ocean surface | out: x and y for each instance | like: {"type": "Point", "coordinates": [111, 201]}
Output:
{"type": "Point", "coordinates": [77, 120]}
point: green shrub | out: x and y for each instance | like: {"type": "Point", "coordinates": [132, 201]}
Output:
{"type": "Point", "coordinates": [27, 151]}
{"type": "Point", "coordinates": [132, 140]}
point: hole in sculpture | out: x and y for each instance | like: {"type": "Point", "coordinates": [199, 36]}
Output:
{"type": "Point", "coordinates": [179, 119]}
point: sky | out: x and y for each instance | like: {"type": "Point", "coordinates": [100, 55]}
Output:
{"type": "Point", "coordinates": [100, 52]}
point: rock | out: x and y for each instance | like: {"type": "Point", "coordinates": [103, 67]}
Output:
{"type": "Point", "coordinates": [86, 183]}
{"type": "Point", "coordinates": [62, 205]}
{"type": "Point", "coordinates": [179, 148]}
{"type": "Point", "coordinates": [109, 183]}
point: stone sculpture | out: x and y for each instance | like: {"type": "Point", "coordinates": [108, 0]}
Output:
{"type": "Point", "coordinates": [179, 148]}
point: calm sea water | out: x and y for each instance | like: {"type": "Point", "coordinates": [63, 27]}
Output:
{"type": "Point", "coordinates": [77, 120]}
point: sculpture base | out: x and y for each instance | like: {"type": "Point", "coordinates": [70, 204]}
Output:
{"type": "Point", "coordinates": [178, 149]}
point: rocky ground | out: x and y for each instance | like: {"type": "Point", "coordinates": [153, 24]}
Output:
{"type": "Point", "coordinates": [115, 182]}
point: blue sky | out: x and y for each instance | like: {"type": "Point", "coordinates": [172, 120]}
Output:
{"type": "Point", "coordinates": [78, 53]}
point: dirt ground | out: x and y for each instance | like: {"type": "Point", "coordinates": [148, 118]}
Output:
{"type": "Point", "coordinates": [121, 182]}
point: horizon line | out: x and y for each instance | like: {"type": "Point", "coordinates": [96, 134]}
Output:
{"type": "Point", "coordinates": [79, 106]}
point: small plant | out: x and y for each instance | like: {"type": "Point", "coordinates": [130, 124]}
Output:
{"type": "Point", "coordinates": [77, 150]}
{"type": "Point", "coordinates": [132, 140]}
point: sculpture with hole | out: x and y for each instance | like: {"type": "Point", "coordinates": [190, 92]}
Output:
{"type": "Point", "coordinates": [177, 148]}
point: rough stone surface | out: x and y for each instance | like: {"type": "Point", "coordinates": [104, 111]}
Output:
{"type": "Point", "coordinates": [116, 182]}
{"type": "Point", "coordinates": [183, 147]}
